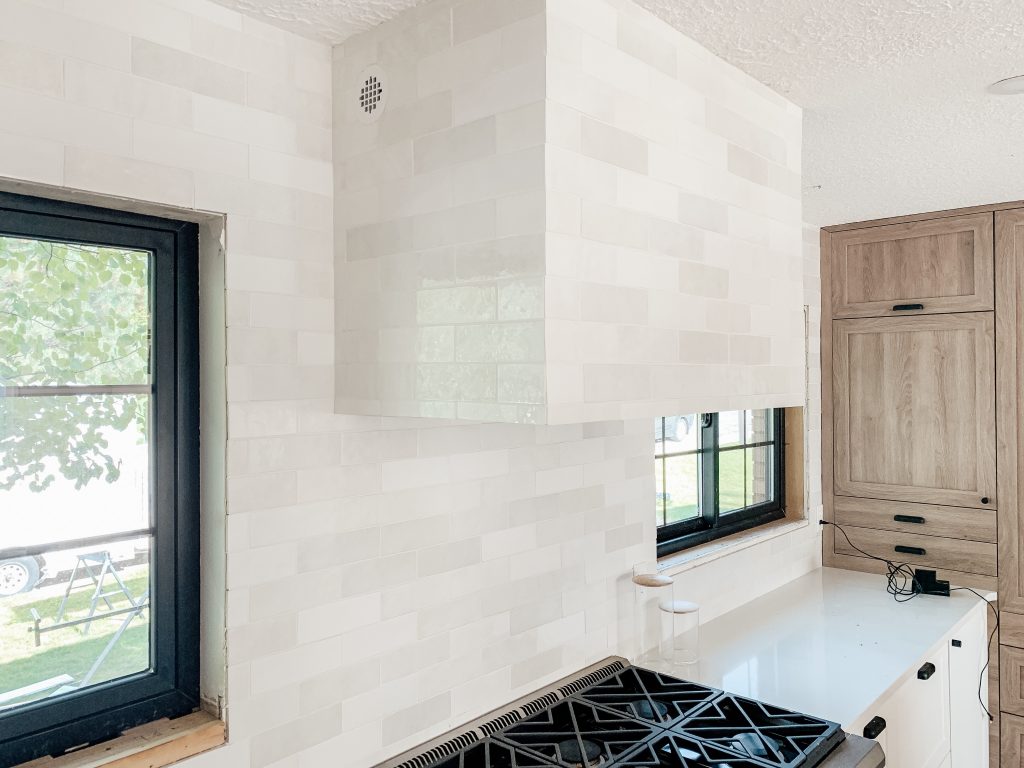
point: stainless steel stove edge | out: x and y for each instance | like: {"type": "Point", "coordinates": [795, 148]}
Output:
{"type": "Point", "coordinates": [450, 742]}
{"type": "Point", "coordinates": [855, 752]}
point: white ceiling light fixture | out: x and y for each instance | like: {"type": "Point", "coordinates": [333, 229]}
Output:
{"type": "Point", "coordinates": [1009, 86]}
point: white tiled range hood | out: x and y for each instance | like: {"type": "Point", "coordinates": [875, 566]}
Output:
{"type": "Point", "coordinates": [564, 211]}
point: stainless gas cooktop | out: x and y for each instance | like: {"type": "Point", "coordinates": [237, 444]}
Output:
{"type": "Point", "coordinates": [615, 715]}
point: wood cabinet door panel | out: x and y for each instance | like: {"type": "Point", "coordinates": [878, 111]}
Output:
{"type": "Point", "coordinates": [1011, 729]}
{"type": "Point", "coordinates": [914, 416]}
{"type": "Point", "coordinates": [943, 264]}
{"type": "Point", "coordinates": [1011, 680]}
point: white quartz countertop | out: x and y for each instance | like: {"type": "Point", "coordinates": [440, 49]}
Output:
{"type": "Point", "coordinates": [829, 644]}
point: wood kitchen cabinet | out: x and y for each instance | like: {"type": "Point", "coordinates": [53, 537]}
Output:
{"type": "Point", "coordinates": [1010, 402]}
{"type": "Point", "coordinates": [922, 348]}
{"type": "Point", "coordinates": [914, 409]}
{"type": "Point", "coordinates": [941, 265]}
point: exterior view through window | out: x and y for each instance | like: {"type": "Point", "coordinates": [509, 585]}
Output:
{"type": "Point", "coordinates": [716, 474]}
{"type": "Point", "coordinates": [96, 380]}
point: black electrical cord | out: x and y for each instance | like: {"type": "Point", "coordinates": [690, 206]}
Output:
{"type": "Point", "coordinates": [900, 577]}
{"type": "Point", "coordinates": [988, 652]}
{"type": "Point", "coordinates": [902, 584]}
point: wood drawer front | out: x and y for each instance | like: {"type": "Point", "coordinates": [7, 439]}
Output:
{"type": "Point", "coordinates": [924, 519]}
{"type": "Point", "coordinates": [1011, 680]}
{"type": "Point", "coordinates": [946, 265]}
{"type": "Point", "coordinates": [1011, 738]}
{"type": "Point", "coordinates": [939, 552]}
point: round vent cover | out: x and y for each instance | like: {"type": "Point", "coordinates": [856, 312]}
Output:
{"type": "Point", "coordinates": [371, 94]}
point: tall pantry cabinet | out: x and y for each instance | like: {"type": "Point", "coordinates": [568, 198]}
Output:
{"type": "Point", "coordinates": [923, 400]}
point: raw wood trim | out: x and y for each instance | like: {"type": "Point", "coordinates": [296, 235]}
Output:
{"type": "Point", "coordinates": [795, 492]}
{"type": "Point", "coordinates": [153, 745]}
{"type": "Point", "coordinates": [1009, 376]}
{"type": "Point", "coordinates": [989, 208]}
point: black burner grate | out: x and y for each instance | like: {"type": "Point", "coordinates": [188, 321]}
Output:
{"type": "Point", "coordinates": [649, 696]}
{"type": "Point", "coordinates": [576, 734]}
{"type": "Point", "coordinates": [773, 735]}
{"type": "Point", "coordinates": [636, 718]}
{"type": "Point", "coordinates": [673, 750]}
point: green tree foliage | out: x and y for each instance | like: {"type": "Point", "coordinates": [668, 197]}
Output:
{"type": "Point", "coordinates": [69, 315]}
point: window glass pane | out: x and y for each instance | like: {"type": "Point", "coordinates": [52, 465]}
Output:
{"type": "Point", "coordinates": [732, 480]}
{"type": "Point", "coordinates": [72, 467]}
{"type": "Point", "coordinates": [675, 434]}
{"type": "Point", "coordinates": [72, 314]}
{"type": "Point", "coordinates": [682, 488]}
{"type": "Point", "coordinates": [76, 618]}
{"type": "Point", "coordinates": [731, 427]}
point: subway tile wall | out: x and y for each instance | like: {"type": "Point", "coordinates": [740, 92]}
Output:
{"type": "Point", "coordinates": [387, 578]}
{"type": "Point", "coordinates": [440, 215]}
{"type": "Point", "coordinates": [604, 219]}
{"type": "Point", "coordinates": [674, 277]}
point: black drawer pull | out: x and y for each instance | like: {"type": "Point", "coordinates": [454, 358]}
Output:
{"type": "Point", "coordinates": [874, 727]}
{"type": "Point", "coordinates": [906, 307]}
{"type": "Point", "coordinates": [908, 519]}
{"type": "Point", "coordinates": [926, 671]}
{"type": "Point", "coordinates": [909, 550]}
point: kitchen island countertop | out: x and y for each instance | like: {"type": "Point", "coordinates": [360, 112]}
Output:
{"type": "Point", "coordinates": [830, 643]}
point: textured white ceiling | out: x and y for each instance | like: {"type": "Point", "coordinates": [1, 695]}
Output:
{"type": "Point", "coordinates": [897, 117]}
{"type": "Point", "coordinates": [328, 20]}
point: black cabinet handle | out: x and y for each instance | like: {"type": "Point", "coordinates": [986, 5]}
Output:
{"type": "Point", "coordinates": [906, 307]}
{"type": "Point", "coordinates": [909, 550]}
{"type": "Point", "coordinates": [874, 727]}
{"type": "Point", "coordinates": [908, 519]}
{"type": "Point", "coordinates": [926, 671]}
{"type": "Point", "coordinates": [984, 499]}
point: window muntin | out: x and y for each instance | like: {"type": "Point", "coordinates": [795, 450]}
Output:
{"type": "Point", "coordinates": [98, 473]}
{"type": "Point", "coordinates": [716, 474]}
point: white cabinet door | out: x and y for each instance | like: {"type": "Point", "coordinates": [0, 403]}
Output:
{"type": "Point", "coordinates": [918, 718]}
{"type": "Point", "coordinates": [969, 723]}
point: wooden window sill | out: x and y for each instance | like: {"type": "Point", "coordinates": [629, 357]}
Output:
{"type": "Point", "coordinates": [152, 745]}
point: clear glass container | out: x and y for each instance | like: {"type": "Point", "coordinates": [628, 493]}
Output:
{"type": "Point", "coordinates": [650, 590]}
{"type": "Point", "coordinates": [680, 631]}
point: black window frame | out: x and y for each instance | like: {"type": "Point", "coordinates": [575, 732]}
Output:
{"type": "Point", "coordinates": [171, 687]}
{"type": "Point", "coordinates": [712, 524]}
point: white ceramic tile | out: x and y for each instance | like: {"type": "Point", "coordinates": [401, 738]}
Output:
{"type": "Point", "coordinates": [372, 560]}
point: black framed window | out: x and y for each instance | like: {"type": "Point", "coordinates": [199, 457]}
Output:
{"type": "Point", "coordinates": [99, 435]}
{"type": "Point", "coordinates": [716, 474]}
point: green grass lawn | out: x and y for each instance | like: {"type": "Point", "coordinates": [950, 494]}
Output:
{"type": "Point", "coordinates": [70, 651]}
{"type": "Point", "coordinates": [736, 485]}
{"type": "Point", "coordinates": [130, 655]}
